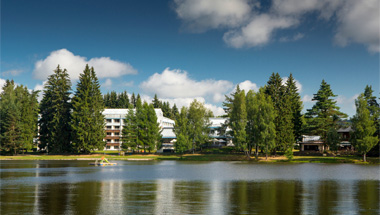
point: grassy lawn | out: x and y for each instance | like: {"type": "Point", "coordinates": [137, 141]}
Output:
{"type": "Point", "coordinates": [198, 157]}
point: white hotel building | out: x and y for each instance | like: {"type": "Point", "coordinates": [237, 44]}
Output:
{"type": "Point", "coordinates": [115, 122]}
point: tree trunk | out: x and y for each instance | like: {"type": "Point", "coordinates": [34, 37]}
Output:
{"type": "Point", "coordinates": [256, 151]}
{"type": "Point", "coordinates": [364, 157]}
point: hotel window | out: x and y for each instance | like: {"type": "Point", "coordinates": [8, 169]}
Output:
{"type": "Point", "coordinates": [109, 120]}
{"type": "Point", "coordinates": [117, 127]}
{"type": "Point", "coordinates": [108, 147]}
{"type": "Point", "coordinates": [108, 140]}
{"type": "Point", "coordinates": [116, 140]}
{"type": "Point", "coordinates": [108, 133]}
{"type": "Point", "coordinates": [116, 147]}
{"type": "Point", "coordinates": [109, 127]}
{"type": "Point", "coordinates": [117, 133]}
{"type": "Point", "coordinates": [117, 120]}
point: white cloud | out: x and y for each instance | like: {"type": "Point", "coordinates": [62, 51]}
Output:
{"type": "Point", "coordinates": [298, 84]}
{"type": "Point", "coordinates": [40, 87]}
{"type": "Point", "coordinates": [13, 72]}
{"type": "Point", "coordinates": [359, 21]}
{"type": "Point", "coordinates": [201, 15]}
{"type": "Point", "coordinates": [127, 84]}
{"type": "Point", "coordinates": [296, 37]}
{"type": "Point", "coordinates": [2, 83]}
{"type": "Point", "coordinates": [258, 32]}
{"type": "Point", "coordinates": [75, 64]}
{"type": "Point", "coordinates": [307, 99]}
{"type": "Point", "coordinates": [177, 84]}
{"type": "Point", "coordinates": [107, 84]}
{"type": "Point", "coordinates": [248, 25]}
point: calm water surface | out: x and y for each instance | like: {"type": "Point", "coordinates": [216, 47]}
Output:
{"type": "Point", "coordinates": [173, 187]}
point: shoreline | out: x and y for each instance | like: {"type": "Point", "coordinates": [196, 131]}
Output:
{"type": "Point", "coordinates": [200, 157]}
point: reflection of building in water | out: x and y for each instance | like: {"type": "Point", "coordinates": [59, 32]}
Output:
{"type": "Point", "coordinates": [111, 201]}
{"type": "Point", "coordinates": [164, 196]}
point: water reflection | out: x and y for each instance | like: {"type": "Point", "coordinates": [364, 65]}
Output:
{"type": "Point", "coordinates": [174, 196]}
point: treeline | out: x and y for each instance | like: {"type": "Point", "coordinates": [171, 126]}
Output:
{"type": "Point", "coordinates": [122, 100]}
{"type": "Point", "coordinates": [141, 129]}
{"type": "Point", "coordinates": [270, 120]}
{"type": "Point", "coordinates": [18, 118]}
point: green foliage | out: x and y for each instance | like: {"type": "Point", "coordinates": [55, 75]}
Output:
{"type": "Point", "coordinates": [153, 128]}
{"type": "Point", "coordinates": [324, 114]}
{"type": "Point", "coordinates": [261, 128]}
{"type": "Point", "coordinates": [236, 111]}
{"type": "Point", "coordinates": [289, 154]}
{"type": "Point", "coordinates": [116, 100]}
{"type": "Point", "coordinates": [181, 129]}
{"type": "Point", "coordinates": [295, 106]}
{"type": "Point", "coordinates": [333, 139]}
{"type": "Point", "coordinates": [55, 113]}
{"type": "Point", "coordinates": [364, 128]}
{"type": "Point", "coordinates": [87, 117]}
{"type": "Point", "coordinates": [129, 131]}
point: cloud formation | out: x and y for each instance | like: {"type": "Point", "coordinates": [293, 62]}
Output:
{"type": "Point", "coordinates": [247, 24]}
{"type": "Point", "coordinates": [177, 84]}
{"type": "Point", "coordinates": [13, 72]}
{"type": "Point", "coordinates": [75, 64]}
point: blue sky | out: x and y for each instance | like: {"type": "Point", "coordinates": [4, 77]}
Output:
{"type": "Point", "coordinates": [186, 49]}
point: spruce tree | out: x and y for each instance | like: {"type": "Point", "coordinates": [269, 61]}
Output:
{"type": "Point", "coordinates": [10, 115]}
{"type": "Point", "coordinates": [129, 131]}
{"type": "Point", "coordinates": [324, 114]}
{"type": "Point", "coordinates": [55, 113]}
{"type": "Point", "coordinates": [123, 100]}
{"type": "Point", "coordinates": [364, 128]}
{"type": "Point", "coordinates": [153, 129]}
{"type": "Point", "coordinates": [141, 124]}
{"type": "Point", "coordinates": [156, 102]}
{"type": "Point", "coordinates": [295, 106]}
{"type": "Point", "coordinates": [175, 111]}
{"type": "Point", "coordinates": [87, 116]}
{"type": "Point", "coordinates": [133, 100]}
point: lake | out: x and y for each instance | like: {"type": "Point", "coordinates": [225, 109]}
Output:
{"type": "Point", "coordinates": [175, 187]}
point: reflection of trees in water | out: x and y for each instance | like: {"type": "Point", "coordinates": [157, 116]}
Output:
{"type": "Point", "coordinates": [139, 197]}
{"type": "Point", "coordinates": [191, 197]}
{"type": "Point", "coordinates": [327, 197]}
{"type": "Point", "coordinates": [368, 197]}
{"type": "Point", "coordinates": [271, 197]}
{"type": "Point", "coordinates": [53, 198]}
{"type": "Point", "coordinates": [85, 197]}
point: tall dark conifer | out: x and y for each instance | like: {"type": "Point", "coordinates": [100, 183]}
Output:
{"type": "Point", "coordinates": [55, 113]}
{"type": "Point", "coordinates": [295, 106]}
{"type": "Point", "coordinates": [87, 117]}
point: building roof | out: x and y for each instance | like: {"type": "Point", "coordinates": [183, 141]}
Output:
{"type": "Point", "coordinates": [343, 130]}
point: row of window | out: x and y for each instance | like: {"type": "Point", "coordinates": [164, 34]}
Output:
{"type": "Point", "coordinates": [115, 140]}
{"type": "Point", "coordinates": [114, 120]}
{"type": "Point", "coordinates": [115, 134]}
{"type": "Point", "coordinates": [114, 147]}
{"type": "Point", "coordinates": [108, 127]}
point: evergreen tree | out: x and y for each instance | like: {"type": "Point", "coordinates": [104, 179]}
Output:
{"type": "Point", "coordinates": [324, 114]}
{"type": "Point", "coordinates": [87, 116]}
{"type": "Point", "coordinates": [166, 110]}
{"type": "Point", "coordinates": [113, 100]}
{"type": "Point", "coordinates": [295, 106]}
{"type": "Point", "coordinates": [10, 115]}
{"type": "Point", "coordinates": [238, 118]}
{"type": "Point", "coordinates": [364, 128]}
{"type": "Point", "coordinates": [153, 129]}
{"type": "Point", "coordinates": [174, 111]}
{"type": "Point", "coordinates": [133, 100]}
{"type": "Point", "coordinates": [141, 124]}
{"type": "Point", "coordinates": [129, 131]}
{"type": "Point", "coordinates": [55, 113]}
{"type": "Point", "coordinates": [123, 100]}
{"type": "Point", "coordinates": [285, 130]}
{"type": "Point", "coordinates": [333, 139]}
{"type": "Point", "coordinates": [106, 99]}
{"type": "Point", "coordinates": [374, 109]}
{"type": "Point", "coordinates": [156, 103]}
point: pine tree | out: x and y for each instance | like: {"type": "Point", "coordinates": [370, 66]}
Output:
{"type": "Point", "coordinates": [133, 100]}
{"type": "Point", "coordinates": [141, 117]}
{"type": "Point", "coordinates": [129, 131]}
{"type": "Point", "coordinates": [174, 111]}
{"type": "Point", "coordinates": [324, 114]}
{"type": "Point", "coordinates": [106, 99]}
{"type": "Point", "coordinates": [87, 116]}
{"type": "Point", "coordinates": [166, 110]}
{"type": "Point", "coordinates": [123, 100]}
{"type": "Point", "coordinates": [55, 113]}
{"type": "Point", "coordinates": [156, 102]}
{"type": "Point", "coordinates": [296, 107]}
{"type": "Point", "coordinates": [10, 132]}
{"type": "Point", "coordinates": [113, 100]}
{"type": "Point", "coordinates": [374, 109]}
{"type": "Point", "coordinates": [364, 128]}
{"type": "Point", "coordinates": [154, 130]}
